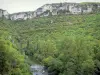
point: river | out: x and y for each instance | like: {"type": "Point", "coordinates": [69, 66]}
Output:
{"type": "Point", "coordinates": [38, 70]}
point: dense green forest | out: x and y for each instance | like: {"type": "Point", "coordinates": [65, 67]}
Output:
{"type": "Point", "coordinates": [65, 44]}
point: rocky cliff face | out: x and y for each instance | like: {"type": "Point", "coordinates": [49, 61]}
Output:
{"type": "Point", "coordinates": [4, 14]}
{"type": "Point", "coordinates": [55, 9]}
{"type": "Point", "coordinates": [22, 16]}
{"type": "Point", "coordinates": [68, 8]}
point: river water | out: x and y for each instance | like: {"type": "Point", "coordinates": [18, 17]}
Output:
{"type": "Point", "coordinates": [38, 70]}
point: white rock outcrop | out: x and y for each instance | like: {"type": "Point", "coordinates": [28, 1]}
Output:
{"type": "Point", "coordinates": [54, 9]}
{"type": "Point", "coordinates": [4, 14]}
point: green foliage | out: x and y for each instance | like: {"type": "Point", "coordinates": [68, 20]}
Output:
{"type": "Point", "coordinates": [11, 61]}
{"type": "Point", "coordinates": [68, 45]}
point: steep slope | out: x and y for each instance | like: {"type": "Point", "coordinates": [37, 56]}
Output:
{"type": "Point", "coordinates": [54, 9]}
{"type": "Point", "coordinates": [4, 14]}
{"type": "Point", "coordinates": [58, 9]}
{"type": "Point", "coordinates": [66, 45]}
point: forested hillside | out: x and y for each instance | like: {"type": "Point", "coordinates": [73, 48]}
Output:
{"type": "Point", "coordinates": [66, 45]}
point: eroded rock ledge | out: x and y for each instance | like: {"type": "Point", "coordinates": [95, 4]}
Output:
{"type": "Point", "coordinates": [54, 9]}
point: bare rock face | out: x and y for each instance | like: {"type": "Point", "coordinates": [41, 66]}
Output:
{"type": "Point", "coordinates": [68, 8]}
{"type": "Point", "coordinates": [22, 16]}
{"type": "Point", "coordinates": [4, 14]}
{"type": "Point", "coordinates": [54, 9]}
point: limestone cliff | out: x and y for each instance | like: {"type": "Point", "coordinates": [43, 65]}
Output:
{"type": "Point", "coordinates": [55, 9]}
{"type": "Point", "coordinates": [4, 14]}
{"type": "Point", "coordinates": [22, 15]}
